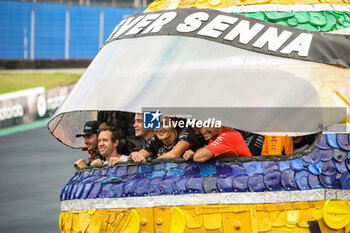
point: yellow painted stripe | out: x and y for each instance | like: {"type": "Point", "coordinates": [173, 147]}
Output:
{"type": "Point", "coordinates": [274, 217]}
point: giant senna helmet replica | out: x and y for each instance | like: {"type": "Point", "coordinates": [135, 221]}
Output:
{"type": "Point", "coordinates": [273, 68]}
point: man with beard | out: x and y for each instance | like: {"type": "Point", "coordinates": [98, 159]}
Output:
{"type": "Point", "coordinates": [223, 142]}
{"type": "Point", "coordinates": [90, 134]}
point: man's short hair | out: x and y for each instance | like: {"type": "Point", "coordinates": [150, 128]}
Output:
{"type": "Point", "coordinates": [115, 133]}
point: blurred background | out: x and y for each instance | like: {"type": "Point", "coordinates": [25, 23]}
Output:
{"type": "Point", "coordinates": [59, 29]}
{"type": "Point", "coordinates": [45, 47]}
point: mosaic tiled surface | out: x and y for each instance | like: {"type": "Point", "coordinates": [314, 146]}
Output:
{"type": "Point", "coordinates": [323, 21]}
{"type": "Point", "coordinates": [324, 216]}
{"type": "Point", "coordinates": [282, 5]}
{"type": "Point", "coordinates": [312, 15]}
{"type": "Point", "coordinates": [327, 166]}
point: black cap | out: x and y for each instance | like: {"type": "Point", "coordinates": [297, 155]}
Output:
{"type": "Point", "coordinates": [90, 127]}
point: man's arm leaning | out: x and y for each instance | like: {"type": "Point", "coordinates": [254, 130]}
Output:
{"type": "Point", "coordinates": [177, 151]}
{"type": "Point", "coordinates": [139, 156]}
{"type": "Point", "coordinates": [202, 155]}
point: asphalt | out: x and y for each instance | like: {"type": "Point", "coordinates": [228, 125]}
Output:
{"type": "Point", "coordinates": [34, 168]}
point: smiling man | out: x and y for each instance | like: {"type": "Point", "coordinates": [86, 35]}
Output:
{"type": "Point", "coordinates": [90, 134]}
{"type": "Point", "coordinates": [223, 142]}
{"type": "Point", "coordinates": [146, 134]}
{"type": "Point", "coordinates": [167, 143]}
{"type": "Point", "coordinates": [108, 141]}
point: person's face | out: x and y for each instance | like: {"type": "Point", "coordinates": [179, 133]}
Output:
{"type": "Point", "coordinates": [90, 141]}
{"type": "Point", "coordinates": [210, 132]}
{"type": "Point", "coordinates": [164, 133]}
{"type": "Point", "coordinates": [138, 125]}
{"type": "Point", "coordinates": [105, 143]}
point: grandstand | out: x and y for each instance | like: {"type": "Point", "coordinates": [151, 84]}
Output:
{"type": "Point", "coordinates": [137, 4]}
{"type": "Point", "coordinates": [59, 29]}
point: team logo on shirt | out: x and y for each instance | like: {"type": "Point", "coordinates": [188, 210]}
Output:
{"type": "Point", "coordinates": [151, 119]}
{"type": "Point", "coordinates": [161, 151]}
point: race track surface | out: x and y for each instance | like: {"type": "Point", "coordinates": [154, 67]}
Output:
{"type": "Point", "coordinates": [34, 168]}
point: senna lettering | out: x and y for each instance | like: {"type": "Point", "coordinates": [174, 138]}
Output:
{"type": "Point", "coordinates": [239, 31]}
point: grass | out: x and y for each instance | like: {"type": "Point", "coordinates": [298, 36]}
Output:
{"type": "Point", "coordinates": [15, 81]}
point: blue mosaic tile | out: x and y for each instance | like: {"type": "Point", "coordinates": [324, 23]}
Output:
{"type": "Point", "coordinates": [343, 141]}
{"type": "Point", "coordinates": [301, 179]}
{"type": "Point", "coordinates": [297, 164]}
{"type": "Point", "coordinates": [141, 187]}
{"type": "Point", "coordinates": [144, 168]}
{"type": "Point", "coordinates": [191, 170]}
{"type": "Point", "coordinates": [157, 173]}
{"type": "Point", "coordinates": [256, 183]}
{"type": "Point", "coordinates": [313, 157]}
{"type": "Point", "coordinates": [194, 184]}
{"type": "Point", "coordinates": [287, 180]}
{"type": "Point", "coordinates": [175, 172]}
{"type": "Point", "coordinates": [272, 180]}
{"type": "Point", "coordinates": [332, 141]}
{"type": "Point", "coordinates": [326, 181]}
{"type": "Point", "coordinates": [323, 143]}
{"type": "Point", "coordinates": [327, 155]}
{"type": "Point", "coordinates": [336, 181]}
{"type": "Point", "coordinates": [270, 165]}
{"type": "Point", "coordinates": [224, 183]}
{"type": "Point", "coordinates": [223, 169]}
{"type": "Point", "coordinates": [209, 184]}
{"type": "Point", "coordinates": [240, 183]}
{"type": "Point", "coordinates": [153, 188]}
{"type": "Point", "coordinates": [340, 155]}
{"type": "Point", "coordinates": [207, 169]}
{"type": "Point", "coordinates": [95, 190]}
{"type": "Point", "coordinates": [121, 171]}
{"type": "Point", "coordinates": [315, 168]}
{"type": "Point", "coordinates": [87, 189]}
{"type": "Point", "coordinates": [237, 169]}
{"type": "Point", "coordinates": [166, 185]}
{"type": "Point", "coordinates": [341, 166]}
{"type": "Point", "coordinates": [179, 185]}
{"type": "Point", "coordinates": [314, 182]}
{"type": "Point", "coordinates": [345, 181]}
{"type": "Point", "coordinates": [327, 166]}
{"type": "Point", "coordinates": [253, 167]}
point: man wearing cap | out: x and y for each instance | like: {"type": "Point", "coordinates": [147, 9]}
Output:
{"type": "Point", "coordinates": [90, 134]}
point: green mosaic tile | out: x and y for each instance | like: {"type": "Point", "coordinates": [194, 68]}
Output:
{"type": "Point", "coordinates": [331, 22]}
{"type": "Point", "coordinates": [284, 23]}
{"type": "Point", "coordinates": [347, 18]}
{"type": "Point", "coordinates": [341, 19]}
{"type": "Point", "coordinates": [302, 17]}
{"type": "Point", "coordinates": [338, 27]}
{"type": "Point", "coordinates": [256, 15]}
{"type": "Point", "coordinates": [317, 19]}
{"type": "Point", "coordinates": [277, 16]}
{"type": "Point", "coordinates": [293, 22]}
{"type": "Point", "coordinates": [337, 13]}
{"type": "Point", "coordinates": [323, 21]}
{"type": "Point", "coordinates": [306, 26]}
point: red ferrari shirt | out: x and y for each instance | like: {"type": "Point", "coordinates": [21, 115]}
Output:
{"type": "Point", "coordinates": [228, 143]}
